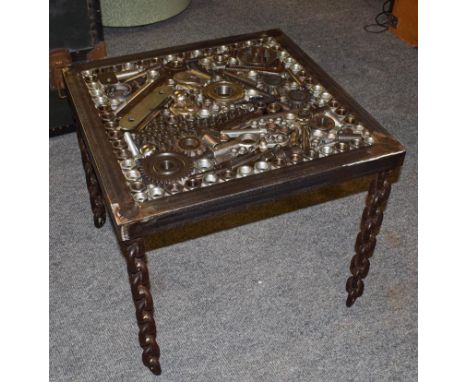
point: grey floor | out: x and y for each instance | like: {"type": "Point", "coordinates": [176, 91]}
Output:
{"type": "Point", "coordinates": [255, 296]}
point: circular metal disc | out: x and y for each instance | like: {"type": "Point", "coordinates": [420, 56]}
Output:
{"type": "Point", "coordinates": [167, 167]}
{"type": "Point", "coordinates": [224, 91]}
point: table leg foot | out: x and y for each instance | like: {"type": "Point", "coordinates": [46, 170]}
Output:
{"type": "Point", "coordinates": [95, 194]}
{"type": "Point", "coordinates": [139, 281]}
{"type": "Point", "coordinates": [372, 216]}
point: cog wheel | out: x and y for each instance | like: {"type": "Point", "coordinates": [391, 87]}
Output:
{"type": "Point", "coordinates": [166, 168]}
{"type": "Point", "coordinates": [190, 145]}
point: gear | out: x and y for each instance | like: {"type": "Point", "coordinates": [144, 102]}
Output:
{"type": "Point", "coordinates": [190, 145]}
{"type": "Point", "coordinates": [166, 167]}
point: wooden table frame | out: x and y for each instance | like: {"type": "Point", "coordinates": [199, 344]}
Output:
{"type": "Point", "coordinates": [108, 190]}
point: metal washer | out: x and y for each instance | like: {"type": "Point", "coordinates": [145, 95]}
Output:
{"type": "Point", "coordinates": [224, 91]}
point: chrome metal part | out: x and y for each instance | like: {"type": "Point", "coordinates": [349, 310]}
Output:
{"type": "Point", "coordinates": [204, 164]}
{"type": "Point", "coordinates": [148, 104]}
{"type": "Point", "coordinates": [209, 179]}
{"type": "Point", "coordinates": [132, 147]}
{"type": "Point", "coordinates": [261, 166]}
{"type": "Point", "coordinates": [233, 147]}
{"type": "Point", "coordinates": [155, 192]}
{"type": "Point", "coordinates": [237, 132]}
{"type": "Point", "coordinates": [132, 175]}
{"type": "Point", "coordinates": [127, 164]}
{"type": "Point", "coordinates": [244, 171]}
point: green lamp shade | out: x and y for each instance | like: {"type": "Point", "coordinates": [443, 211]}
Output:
{"type": "Point", "coordinates": [130, 13]}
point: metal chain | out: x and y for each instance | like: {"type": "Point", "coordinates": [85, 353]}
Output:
{"type": "Point", "coordinates": [139, 282]}
{"type": "Point", "coordinates": [371, 221]}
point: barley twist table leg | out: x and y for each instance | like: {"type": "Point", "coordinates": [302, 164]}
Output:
{"type": "Point", "coordinates": [139, 281]}
{"type": "Point", "coordinates": [372, 216]}
{"type": "Point", "coordinates": [95, 194]}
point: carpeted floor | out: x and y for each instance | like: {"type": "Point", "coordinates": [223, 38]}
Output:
{"type": "Point", "coordinates": [255, 296]}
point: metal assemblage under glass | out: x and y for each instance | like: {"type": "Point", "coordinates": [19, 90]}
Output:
{"type": "Point", "coordinates": [179, 122]}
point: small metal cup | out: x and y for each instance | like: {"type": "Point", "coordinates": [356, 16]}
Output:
{"type": "Point", "coordinates": [261, 166]}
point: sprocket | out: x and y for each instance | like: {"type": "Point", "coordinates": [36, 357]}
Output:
{"type": "Point", "coordinates": [166, 167]}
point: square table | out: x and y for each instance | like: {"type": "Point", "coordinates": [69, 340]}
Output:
{"type": "Point", "coordinates": [180, 134]}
